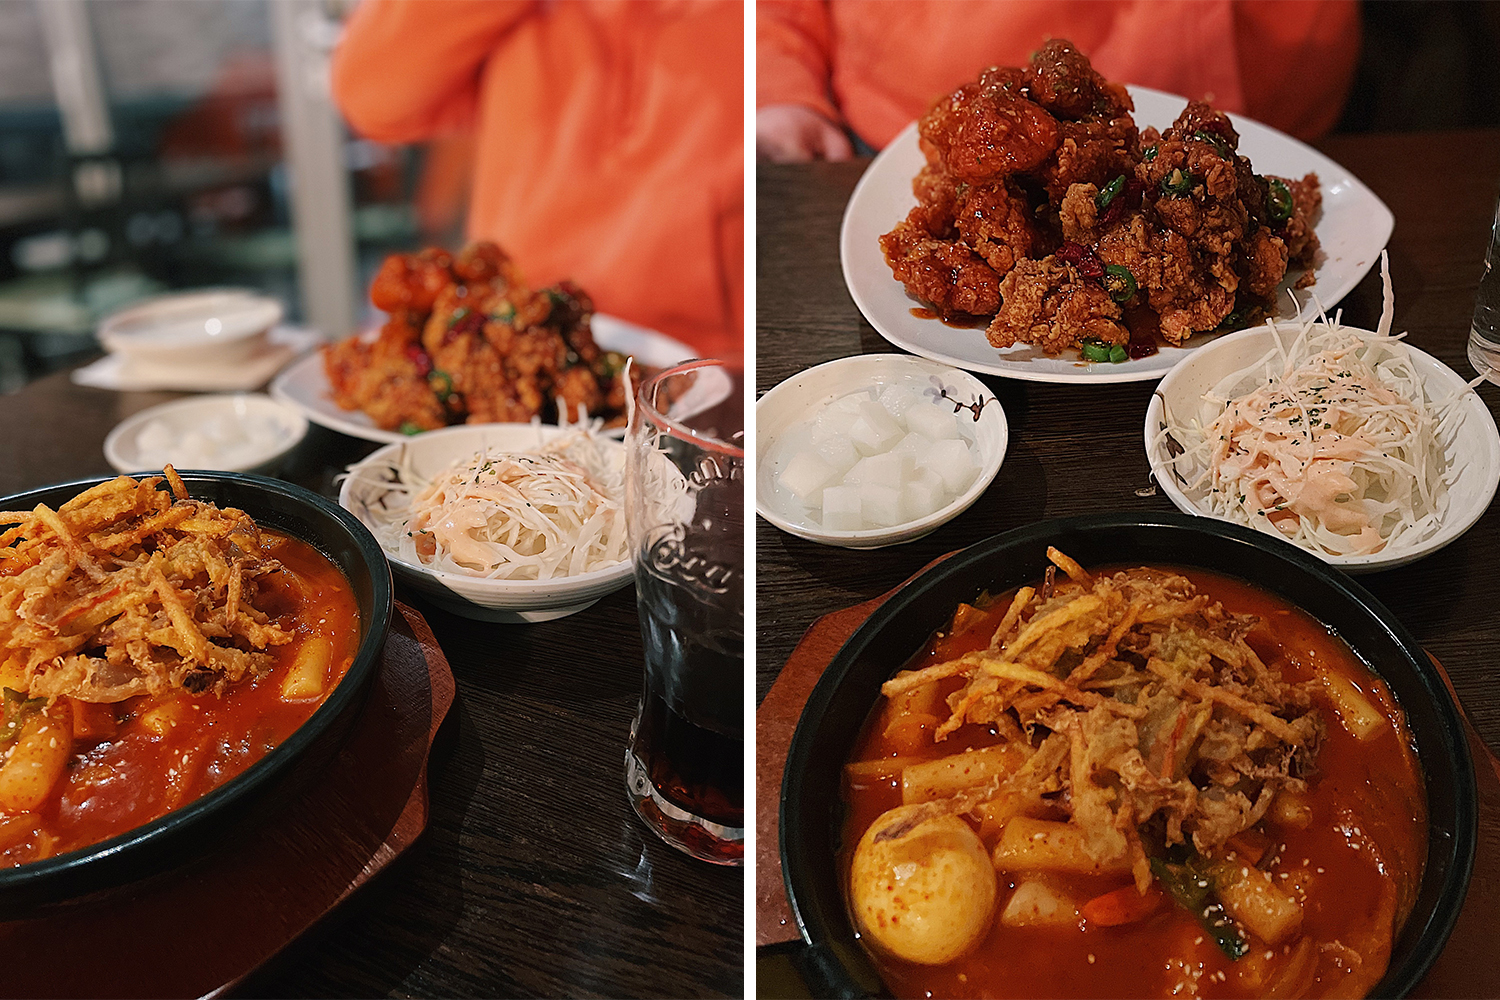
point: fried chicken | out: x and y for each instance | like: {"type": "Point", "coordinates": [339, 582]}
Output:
{"type": "Point", "coordinates": [1043, 206]}
{"type": "Point", "coordinates": [469, 341]}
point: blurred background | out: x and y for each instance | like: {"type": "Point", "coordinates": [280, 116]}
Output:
{"type": "Point", "coordinates": [148, 145]}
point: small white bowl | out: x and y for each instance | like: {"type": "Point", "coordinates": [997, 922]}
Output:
{"type": "Point", "coordinates": [798, 400]}
{"type": "Point", "coordinates": [1473, 449]}
{"type": "Point", "coordinates": [217, 324]}
{"type": "Point", "coordinates": [232, 432]}
{"type": "Point", "coordinates": [470, 596]}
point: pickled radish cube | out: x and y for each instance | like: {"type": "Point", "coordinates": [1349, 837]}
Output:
{"type": "Point", "coordinates": [842, 509]}
{"type": "Point", "coordinates": [873, 438]}
{"type": "Point", "coordinates": [880, 505]}
{"type": "Point", "coordinates": [953, 461]}
{"type": "Point", "coordinates": [838, 451]}
{"type": "Point", "coordinates": [882, 470]}
{"type": "Point", "coordinates": [923, 496]}
{"type": "Point", "coordinates": [937, 422]}
{"type": "Point", "coordinates": [927, 477]}
{"type": "Point", "coordinates": [806, 474]}
{"type": "Point", "coordinates": [834, 421]}
{"type": "Point", "coordinates": [915, 445]}
{"type": "Point", "coordinates": [875, 430]}
{"type": "Point", "coordinates": [851, 403]}
{"type": "Point", "coordinates": [897, 399]}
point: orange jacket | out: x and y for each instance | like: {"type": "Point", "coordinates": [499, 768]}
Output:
{"type": "Point", "coordinates": [878, 64]}
{"type": "Point", "coordinates": [609, 136]}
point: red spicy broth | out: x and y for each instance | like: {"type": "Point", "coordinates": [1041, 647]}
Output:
{"type": "Point", "coordinates": [1356, 866]}
{"type": "Point", "coordinates": [137, 760]}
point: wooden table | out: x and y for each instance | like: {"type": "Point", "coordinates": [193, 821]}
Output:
{"type": "Point", "coordinates": [534, 877]}
{"type": "Point", "coordinates": [1077, 449]}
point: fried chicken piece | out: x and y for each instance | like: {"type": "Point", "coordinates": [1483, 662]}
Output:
{"type": "Point", "coordinates": [411, 282]}
{"type": "Point", "coordinates": [1264, 264]}
{"type": "Point", "coordinates": [1089, 152]}
{"type": "Point", "coordinates": [1049, 304]}
{"type": "Point", "coordinates": [1062, 80]}
{"type": "Point", "coordinates": [572, 314]}
{"type": "Point", "coordinates": [946, 274]}
{"type": "Point", "coordinates": [1307, 204]}
{"type": "Point", "coordinates": [577, 389]}
{"type": "Point", "coordinates": [984, 131]}
{"type": "Point", "coordinates": [1078, 214]}
{"type": "Point", "coordinates": [1171, 276]}
{"type": "Point", "coordinates": [485, 263]}
{"type": "Point", "coordinates": [995, 221]}
{"type": "Point", "coordinates": [388, 379]}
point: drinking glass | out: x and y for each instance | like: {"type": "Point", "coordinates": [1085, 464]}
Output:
{"type": "Point", "coordinates": [685, 510]}
{"type": "Point", "coordinates": [1484, 331]}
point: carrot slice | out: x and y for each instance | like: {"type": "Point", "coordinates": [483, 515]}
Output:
{"type": "Point", "coordinates": [1122, 906]}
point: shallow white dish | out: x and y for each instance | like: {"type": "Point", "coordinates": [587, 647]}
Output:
{"type": "Point", "coordinates": [241, 432]}
{"type": "Point", "coordinates": [1354, 227]}
{"type": "Point", "coordinates": [1472, 448]}
{"type": "Point", "coordinates": [208, 325]}
{"type": "Point", "coordinates": [305, 385]}
{"type": "Point", "coordinates": [469, 596]}
{"type": "Point", "coordinates": [797, 399]}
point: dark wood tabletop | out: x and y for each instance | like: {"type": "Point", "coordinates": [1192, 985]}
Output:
{"type": "Point", "coordinates": [1077, 449]}
{"type": "Point", "coordinates": [534, 877]}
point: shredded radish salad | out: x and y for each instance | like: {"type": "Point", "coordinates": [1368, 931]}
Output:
{"type": "Point", "coordinates": [1330, 441]}
{"type": "Point", "coordinates": [556, 511]}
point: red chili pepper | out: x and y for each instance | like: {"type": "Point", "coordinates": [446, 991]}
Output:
{"type": "Point", "coordinates": [1127, 200]}
{"type": "Point", "coordinates": [1084, 259]}
{"type": "Point", "coordinates": [420, 359]}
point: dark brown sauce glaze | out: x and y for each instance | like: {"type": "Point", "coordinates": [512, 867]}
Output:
{"type": "Point", "coordinates": [958, 321]}
{"type": "Point", "coordinates": [1145, 331]}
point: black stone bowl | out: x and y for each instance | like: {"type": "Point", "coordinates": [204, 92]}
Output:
{"type": "Point", "coordinates": [186, 832]}
{"type": "Point", "coordinates": [833, 964]}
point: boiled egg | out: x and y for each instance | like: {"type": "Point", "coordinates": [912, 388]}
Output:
{"type": "Point", "coordinates": [922, 885]}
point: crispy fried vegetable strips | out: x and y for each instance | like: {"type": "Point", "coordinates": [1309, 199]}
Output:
{"type": "Point", "coordinates": [1138, 711]}
{"type": "Point", "coordinates": [128, 589]}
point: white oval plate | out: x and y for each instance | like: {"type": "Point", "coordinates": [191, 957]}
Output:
{"type": "Point", "coordinates": [1353, 230]}
{"type": "Point", "coordinates": [800, 397]}
{"type": "Point", "coordinates": [1472, 447]}
{"type": "Point", "coordinates": [304, 384]}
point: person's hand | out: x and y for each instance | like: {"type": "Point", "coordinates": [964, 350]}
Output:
{"type": "Point", "coordinates": [794, 133]}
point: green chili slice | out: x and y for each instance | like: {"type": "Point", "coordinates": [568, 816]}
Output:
{"type": "Point", "coordinates": [1192, 887]}
{"type": "Point", "coordinates": [1278, 201]}
{"type": "Point", "coordinates": [1215, 141]}
{"type": "Point", "coordinates": [1118, 353]}
{"type": "Point", "coordinates": [1109, 192]}
{"type": "Point", "coordinates": [1150, 153]}
{"type": "Point", "coordinates": [441, 384]}
{"type": "Point", "coordinates": [1179, 181]}
{"type": "Point", "coordinates": [1118, 282]}
{"type": "Point", "coordinates": [409, 428]}
{"type": "Point", "coordinates": [1094, 350]}
{"type": "Point", "coordinates": [1233, 321]}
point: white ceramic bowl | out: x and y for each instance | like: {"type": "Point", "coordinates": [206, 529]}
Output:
{"type": "Point", "coordinates": [232, 432]}
{"type": "Point", "coordinates": [469, 596]}
{"type": "Point", "coordinates": [217, 324]}
{"type": "Point", "coordinates": [797, 400]}
{"type": "Point", "coordinates": [1472, 449]}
